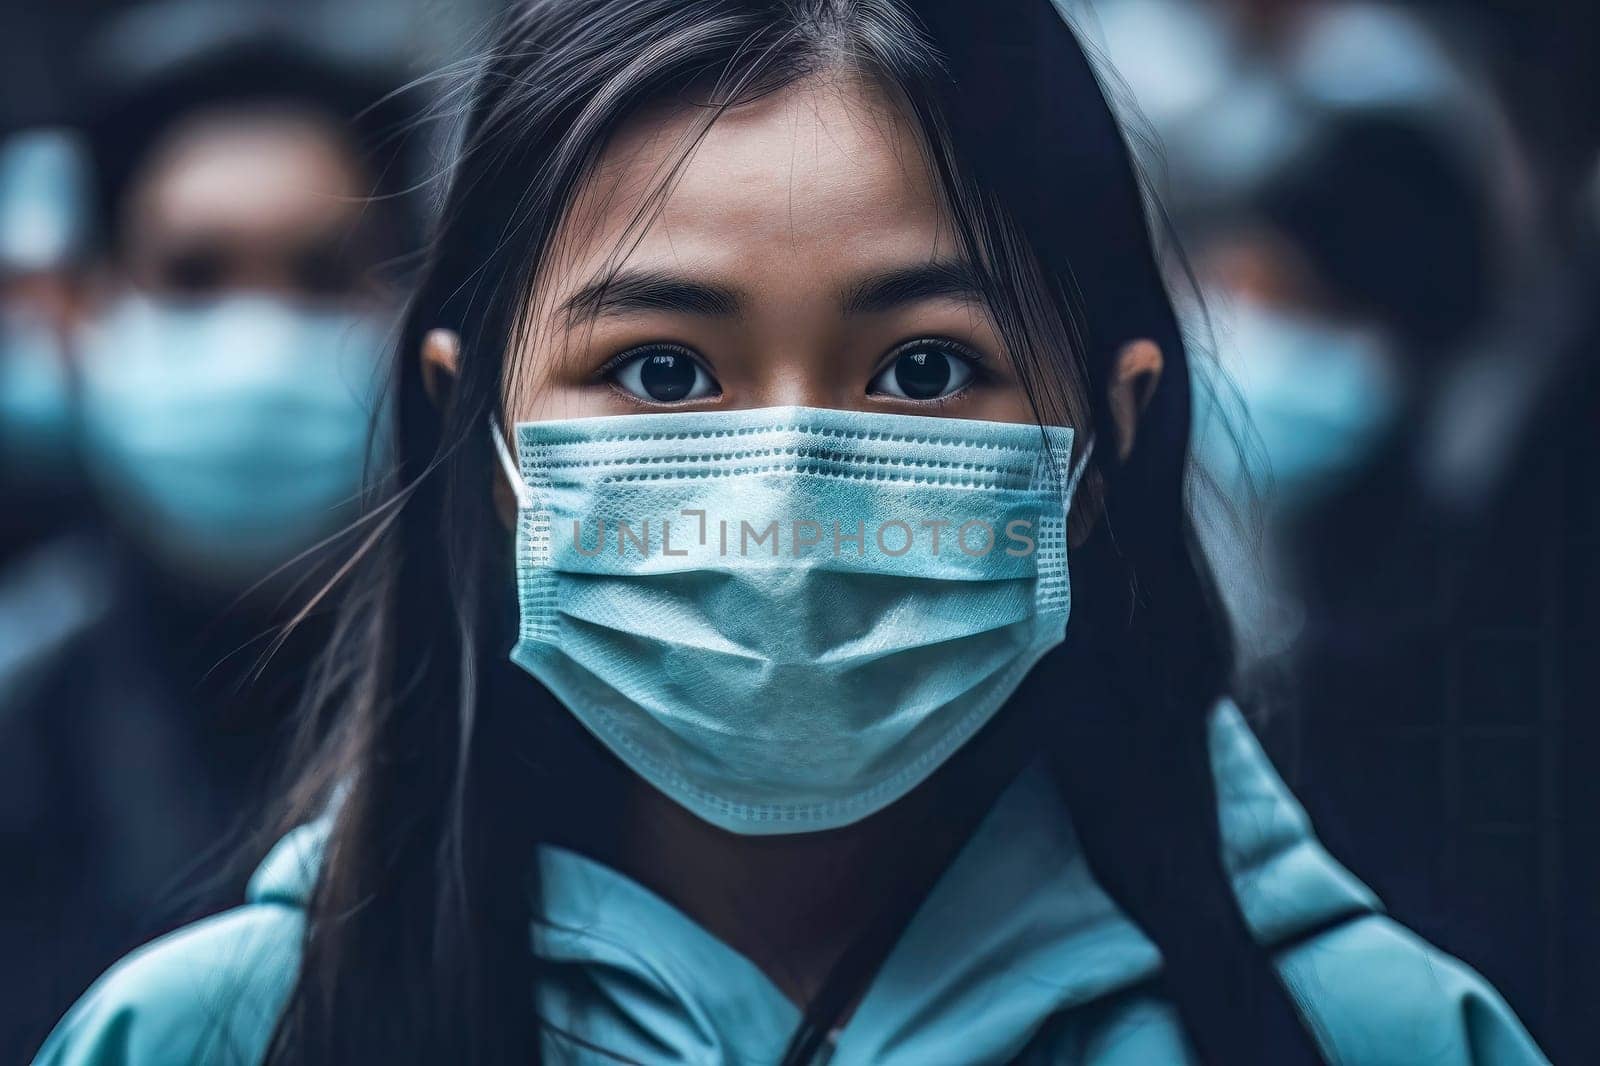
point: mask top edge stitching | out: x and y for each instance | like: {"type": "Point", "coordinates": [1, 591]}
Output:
{"type": "Point", "coordinates": [568, 437]}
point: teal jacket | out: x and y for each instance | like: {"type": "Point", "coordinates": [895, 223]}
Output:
{"type": "Point", "coordinates": [1016, 956]}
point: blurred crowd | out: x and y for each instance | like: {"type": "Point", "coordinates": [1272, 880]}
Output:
{"type": "Point", "coordinates": [1390, 250]}
{"type": "Point", "coordinates": [1387, 253]}
{"type": "Point", "coordinates": [200, 263]}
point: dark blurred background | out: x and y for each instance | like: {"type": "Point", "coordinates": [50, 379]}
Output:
{"type": "Point", "coordinates": [1388, 258]}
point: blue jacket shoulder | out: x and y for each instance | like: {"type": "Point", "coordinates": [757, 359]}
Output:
{"type": "Point", "coordinates": [209, 993]}
{"type": "Point", "coordinates": [1377, 993]}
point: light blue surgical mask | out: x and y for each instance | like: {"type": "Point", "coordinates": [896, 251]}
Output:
{"type": "Point", "coordinates": [785, 619]}
{"type": "Point", "coordinates": [230, 436]}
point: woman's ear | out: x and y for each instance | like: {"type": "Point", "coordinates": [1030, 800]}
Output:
{"type": "Point", "coordinates": [1134, 378]}
{"type": "Point", "coordinates": [441, 355]}
{"type": "Point", "coordinates": [1133, 383]}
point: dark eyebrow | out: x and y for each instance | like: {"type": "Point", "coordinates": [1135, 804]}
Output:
{"type": "Point", "coordinates": [926, 281]}
{"type": "Point", "coordinates": [650, 290]}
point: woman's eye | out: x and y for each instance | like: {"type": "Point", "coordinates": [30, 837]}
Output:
{"type": "Point", "coordinates": [925, 370]}
{"type": "Point", "coordinates": [663, 374]}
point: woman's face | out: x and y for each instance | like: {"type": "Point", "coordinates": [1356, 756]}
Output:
{"type": "Point", "coordinates": [801, 256]}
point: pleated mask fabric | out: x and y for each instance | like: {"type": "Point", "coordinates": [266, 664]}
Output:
{"type": "Point", "coordinates": [787, 618]}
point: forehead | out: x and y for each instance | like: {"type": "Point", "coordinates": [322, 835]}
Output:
{"type": "Point", "coordinates": [827, 174]}
{"type": "Point", "coordinates": [246, 173]}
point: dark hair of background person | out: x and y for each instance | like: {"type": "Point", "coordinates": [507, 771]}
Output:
{"type": "Point", "coordinates": [449, 764]}
{"type": "Point", "coordinates": [132, 95]}
{"type": "Point", "coordinates": [1398, 222]}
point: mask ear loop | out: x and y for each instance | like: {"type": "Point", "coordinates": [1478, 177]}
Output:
{"type": "Point", "coordinates": [508, 466]}
{"type": "Point", "coordinates": [1078, 470]}
{"type": "Point", "coordinates": [535, 587]}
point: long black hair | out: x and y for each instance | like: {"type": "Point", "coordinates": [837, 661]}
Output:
{"type": "Point", "coordinates": [450, 766]}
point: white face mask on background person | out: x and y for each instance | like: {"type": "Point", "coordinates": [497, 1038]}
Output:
{"type": "Point", "coordinates": [229, 436]}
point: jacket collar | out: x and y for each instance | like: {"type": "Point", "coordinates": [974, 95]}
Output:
{"type": "Point", "coordinates": [1015, 932]}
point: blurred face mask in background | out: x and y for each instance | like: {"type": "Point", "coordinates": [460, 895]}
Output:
{"type": "Point", "coordinates": [35, 399]}
{"type": "Point", "coordinates": [810, 609]}
{"type": "Point", "coordinates": [1318, 395]}
{"type": "Point", "coordinates": [229, 436]}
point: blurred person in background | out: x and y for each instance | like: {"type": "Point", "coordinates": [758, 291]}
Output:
{"type": "Point", "coordinates": [226, 360]}
{"type": "Point", "coordinates": [44, 223]}
{"type": "Point", "coordinates": [1408, 346]}
{"type": "Point", "coordinates": [1353, 204]}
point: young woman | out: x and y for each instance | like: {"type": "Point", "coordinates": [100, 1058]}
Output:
{"type": "Point", "coordinates": [735, 306]}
